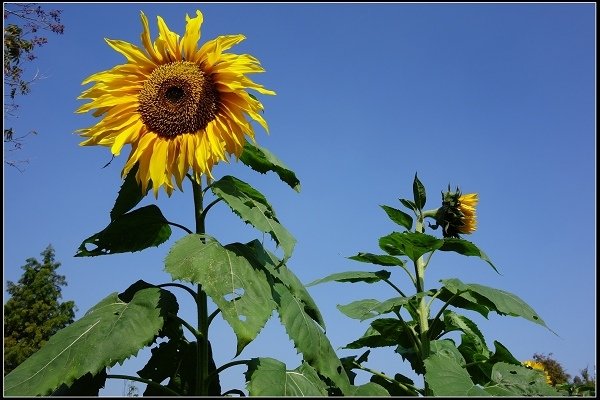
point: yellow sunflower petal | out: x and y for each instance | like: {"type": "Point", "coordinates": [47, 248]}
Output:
{"type": "Point", "coordinates": [167, 42]}
{"type": "Point", "coordinates": [189, 43]}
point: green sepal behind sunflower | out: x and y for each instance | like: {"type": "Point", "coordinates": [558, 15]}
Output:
{"type": "Point", "coordinates": [449, 216]}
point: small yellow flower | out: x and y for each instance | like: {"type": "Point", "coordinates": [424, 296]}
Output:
{"type": "Point", "coordinates": [180, 107]}
{"type": "Point", "coordinates": [538, 366]}
{"type": "Point", "coordinates": [457, 213]}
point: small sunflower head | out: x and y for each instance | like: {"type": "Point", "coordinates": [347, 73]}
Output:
{"type": "Point", "coordinates": [538, 366]}
{"type": "Point", "coordinates": [457, 213]}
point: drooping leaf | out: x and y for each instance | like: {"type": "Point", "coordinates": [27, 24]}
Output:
{"type": "Point", "coordinates": [379, 259]}
{"type": "Point", "coordinates": [502, 354]}
{"type": "Point", "coordinates": [515, 380]}
{"type": "Point", "coordinates": [464, 300]}
{"type": "Point", "coordinates": [454, 321]}
{"type": "Point", "coordinates": [280, 272]}
{"type": "Point", "coordinates": [446, 377]}
{"type": "Point", "coordinates": [465, 248]}
{"type": "Point", "coordinates": [134, 231]}
{"type": "Point", "coordinates": [309, 339]}
{"type": "Point", "coordinates": [411, 244]}
{"type": "Point", "coordinates": [262, 160]}
{"type": "Point", "coordinates": [419, 193]}
{"type": "Point", "coordinates": [109, 332]}
{"type": "Point", "coordinates": [241, 291]}
{"type": "Point", "coordinates": [500, 301]}
{"type": "Point", "coordinates": [252, 207]}
{"type": "Point", "coordinates": [270, 377]}
{"type": "Point", "coordinates": [353, 277]}
{"type": "Point", "coordinates": [399, 217]}
{"type": "Point", "coordinates": [477, 357]}
{"type": "Point", "coordinates": [130, 194]}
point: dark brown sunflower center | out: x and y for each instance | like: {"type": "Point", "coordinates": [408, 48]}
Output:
{"type": "Point", "coordinates": [177, 98]}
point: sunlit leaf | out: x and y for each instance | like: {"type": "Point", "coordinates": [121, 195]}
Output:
{"type": "Point", "coordinates": [500, 301]}
{"type": "Point", "coordinates": [252, 207]}
{"type": "Point", "coordinates": [446, 377]}
{"type": "Point", "coordinates": [270, 377]}
{"type": "Point", "coordinates": [241, 291]}
{"type": "Point", "coordinates": [515, 380]}
{"type": "Point", "coordinates": [309, 339]}
{"type": "Point", "coordinates": [109, 333]}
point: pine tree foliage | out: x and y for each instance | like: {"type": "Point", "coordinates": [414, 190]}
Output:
{"type": "Point", "coordinates": [34, 311]}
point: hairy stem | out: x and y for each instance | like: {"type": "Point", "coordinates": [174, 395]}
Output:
{"type": "Point", "coordinates": [201, 302]}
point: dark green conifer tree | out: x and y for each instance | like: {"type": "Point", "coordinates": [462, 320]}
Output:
{"type": "Point", "coordinates": [34, 311]}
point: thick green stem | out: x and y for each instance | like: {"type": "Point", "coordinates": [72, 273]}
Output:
{"type": "Point", "coordinates": [202, 303]}
{"type": "Point", "coordinates": [420, 265]}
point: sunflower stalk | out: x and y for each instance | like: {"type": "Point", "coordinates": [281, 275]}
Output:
{"type": "Point", "coordinates": [201, 301]}
{"type": "Point", "coordinates": [423, 311]}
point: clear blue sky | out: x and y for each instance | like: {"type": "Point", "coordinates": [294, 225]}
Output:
{"type": "Point", "coordinates": [496, 98]}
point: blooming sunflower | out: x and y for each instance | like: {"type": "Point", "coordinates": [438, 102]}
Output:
{"type": "Point", "coordinates": [177, 105]}
{"type": "Point", "coordinates": [457, 213]}
{"type": "Point", "coordinates": [538, 366]}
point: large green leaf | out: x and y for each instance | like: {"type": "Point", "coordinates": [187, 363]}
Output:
{"type": "Point", "coordinates": [500, 301]}
{"type": "Point", "coordinates": [371, 308]}
{"type": "Point", "coordinates": [309, 339]}
{"type": "Point", "coordinates": [465, 248]}
{"type": "Point", "coordinates": [447, 348]}
{"type": "Point", "coordinates": [446, 377]}
{"type": "Point", "coordinates": [477, 357]}
{"type": "Point", "coordinates": [354, 276]}
{"type": "Point", "coordinates": [134, 231]}
{"type": "Point", "coordinates": [463, 300]}
{"type": "Point", "coordinates": [130, 194]}
{"type": "Point", "coordinates": [454, 321]}
{"type": "Point", "coordinates": [419, 193]}
{"type": "Point", "coordinates": [110, 332]}
{"type": "Point", "coordinates": [252, 207]}
{"type": "Point", "coordinates": [255, 251]}
{"type": "Point", "coordinates": [262, 160]}
{"type": "Point", "coordinates": [241, 291]}
{"type": "Point", "coordinates": [269, 377]}
{"type": "Point", "coordinates": [411, 244]}
{"type": "Point", "coordinates": [515, 380]}
{"type": "Point", "coordinates": [399, 217]}
{"type": "Point", "coordinates": [379, 259]}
